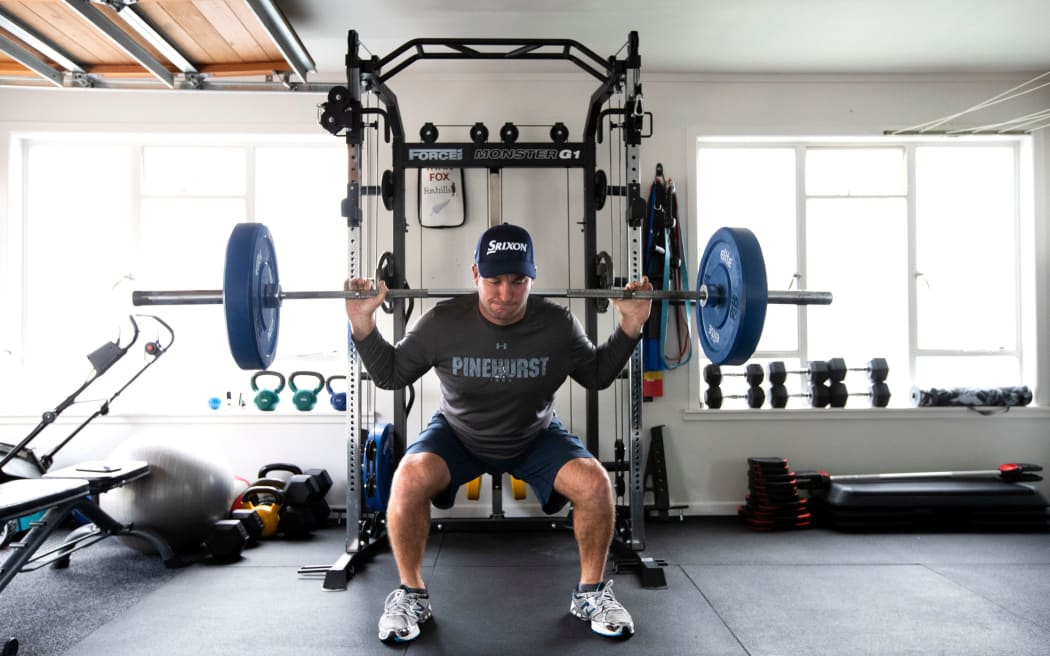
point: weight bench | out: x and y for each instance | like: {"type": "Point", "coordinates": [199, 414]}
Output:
{"type": "Point", "coordinates": [59, 494]}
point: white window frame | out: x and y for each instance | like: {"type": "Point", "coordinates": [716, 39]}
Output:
{"type": "Point", "coordinates": [1025, 344]}
{"type": "Point", "coordinates": [14, 328]}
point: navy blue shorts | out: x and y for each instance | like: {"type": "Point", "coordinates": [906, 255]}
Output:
{"type": "Point", "coordinates": [538, 466]}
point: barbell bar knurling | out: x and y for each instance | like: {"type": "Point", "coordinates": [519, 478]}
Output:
{"type": "Point", "coordinates": [214, 297]}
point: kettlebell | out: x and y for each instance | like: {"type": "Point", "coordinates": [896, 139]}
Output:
{"type": "Point", "coordinates": [305, 399]}
{"type": "Point", "coordinates": [266, 399]}
{"type": "Point", "coordinates": [266, 501]}
{"type": "Point", "coordinates": [337, 399]}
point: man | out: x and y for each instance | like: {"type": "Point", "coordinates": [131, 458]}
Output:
{"type": "Point", "coordinates": [500, 356]}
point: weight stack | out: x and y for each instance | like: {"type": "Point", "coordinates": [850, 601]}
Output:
{"type": "Point", "coordinates": [773, 502]}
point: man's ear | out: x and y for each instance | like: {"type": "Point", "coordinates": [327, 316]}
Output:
{"type": "Point", "coordinates": [474, 272]}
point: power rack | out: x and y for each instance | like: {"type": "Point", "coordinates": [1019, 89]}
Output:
{"type": "Point", "coordinates": [344, 114]}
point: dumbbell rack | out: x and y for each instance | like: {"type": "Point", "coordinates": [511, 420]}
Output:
{"type": "Point", "coordinates": [344, 114]}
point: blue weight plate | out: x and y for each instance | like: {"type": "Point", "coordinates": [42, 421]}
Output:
{"type": "Point", "coordinates": [378, 469]}
{"type": "Point", "coordinates": [249, 296]}
{"type": "Point", "coordinates": [734, 272]}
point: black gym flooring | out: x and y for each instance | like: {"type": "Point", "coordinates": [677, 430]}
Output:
{"type": "Point", "coordinates": [731, 591]}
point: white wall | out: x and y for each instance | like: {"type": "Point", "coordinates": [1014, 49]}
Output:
{"type": "Point", "coordinates": [707, 451]}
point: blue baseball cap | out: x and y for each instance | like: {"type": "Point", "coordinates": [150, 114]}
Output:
{"type": "Point", "coordinates": [505, 248]}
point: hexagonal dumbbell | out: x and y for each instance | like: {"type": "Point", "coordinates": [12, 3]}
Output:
{"type": "Point", "coordinates": [322, 511]}
{"type": "Point", "coordinates": [304, 489]}
{"type": "Point", "coordinates": [753, 374]}
{"type": "Point", "coordinates": [817, 372]}
{"type": "Point", "coordinates": [878, 393]}
{"type": "Point", "coordinates": [755, 397]}
{"type": "Point", "coordinates": [226, 539]}
{"type": "Point", "coordinates": [819, 395]}
{"type": "Point", "coordinates": [878, 370]}
{"type": "Point", "coordinates": [305, 507]}
{"type": "Point", "coordinates": [252, 522]}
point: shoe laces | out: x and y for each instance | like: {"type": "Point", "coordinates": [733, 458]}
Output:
{"type": "Point", "coordinates": [403, 602]}
{"type": "Point", "coordinates": [605, 601]}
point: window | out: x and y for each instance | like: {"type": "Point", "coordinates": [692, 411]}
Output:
{"type": "Point", "coordinates": [104, 216]}
{"type": "Point", "coordinates": [907, 235]}
{"type": "Point", "coordinates": [77, 240]}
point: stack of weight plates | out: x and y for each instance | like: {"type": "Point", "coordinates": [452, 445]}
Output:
{"type": "Point", "coordinates": [773, 502]}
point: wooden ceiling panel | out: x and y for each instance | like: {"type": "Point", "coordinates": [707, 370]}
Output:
{"type": "Point", "coordinates": [9, 66]}
{"type": "Point", "coordinates": [67, 31]}
{"type": "Point", "coordinates": [217, 37]}
{"type": "Point", "coordinates": [254, 26]}
{"type": "Point", "coordinates": [112, 16]}
{"type": "Point", "coordinates": [165, 23]}
{"type": "Point", "coordinates": [229, 25]}
{"type": "Point", "coordinates": [213, 47]}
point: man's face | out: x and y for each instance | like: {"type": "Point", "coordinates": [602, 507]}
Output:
{"type": "Point", "coordinates": [502, 299]}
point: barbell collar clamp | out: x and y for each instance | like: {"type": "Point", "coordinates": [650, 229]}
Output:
{"type": "Point", "coordinates": [704, 296]}
{"type": "Point", "coordinates": [272, 295]}
{"type": "Point", "coordinates": [709, 296]}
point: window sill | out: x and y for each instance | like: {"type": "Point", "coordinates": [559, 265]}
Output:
{"type": "Point", "coordinates": [859, 414]}
{"type": "Point", "coordinates": [218, 417]}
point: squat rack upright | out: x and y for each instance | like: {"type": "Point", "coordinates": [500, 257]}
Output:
{"type": "Point", "coordinates": [345, 114]}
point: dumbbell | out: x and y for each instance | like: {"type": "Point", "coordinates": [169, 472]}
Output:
{"type": "Point", "coordinates": [320, 483]}
{"type": "Point", "coordinates": [305, 507]}
{"type": "Point", "coordinates": [753, 374]}
{"type": "Point", "coordinates": [755, 397]}
{"type": "Point", "coordinates": [323, 478]}
{"type": "Point", "coordinates": [878, 370]}
{"type": "Point", "coordinates": [226, 539]}
{"type": "Point", "coordinates": [252, 523]}
{"type": "Point", "coordinates": [819, 395]}
{"type": "Point", "coordinates": [817, 372]}
{"type": "Point", "coordinates": [879, 393]}
{"type": "Point", "coordinates": [296, 519]}
{"type": "Point", "coordinates": [320, 505]}
{"type": "Point", "coordinates": [304, 489]}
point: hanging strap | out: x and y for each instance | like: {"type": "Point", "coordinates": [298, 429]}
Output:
{"type": "Point", "coordinates": [657, 268]}
{"type": "Point", "coordinates": [664, 347]}
{"type": "Point", "coordinates": [682, 323]}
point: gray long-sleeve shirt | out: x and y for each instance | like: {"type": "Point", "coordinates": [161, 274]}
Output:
{"type": "Point", "coordinates": [497, 382]}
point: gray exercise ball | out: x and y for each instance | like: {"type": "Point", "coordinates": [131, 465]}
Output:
{"type": "Point", "coordinates": [189, 488]}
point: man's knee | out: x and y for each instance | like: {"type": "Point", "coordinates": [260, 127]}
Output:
{"type": "Point", "coordinates": [584, 482]}
{"type": "Point", "coordinates": [420, 476]}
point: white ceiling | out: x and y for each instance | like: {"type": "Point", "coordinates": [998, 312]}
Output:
{"type": "Point", "coordinates": [710, 36]}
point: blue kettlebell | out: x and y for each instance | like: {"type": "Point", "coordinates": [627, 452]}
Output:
{"type": "Point", "coordinates": [337, 399]}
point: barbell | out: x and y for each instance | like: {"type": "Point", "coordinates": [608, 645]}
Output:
{"type": "Point", "coordinates": [731, 296]}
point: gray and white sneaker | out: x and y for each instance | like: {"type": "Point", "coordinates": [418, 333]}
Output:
{"type": "Point", "coordinates": [607, 616]}
{"type": "Point", "coordinates": [403, 612]}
